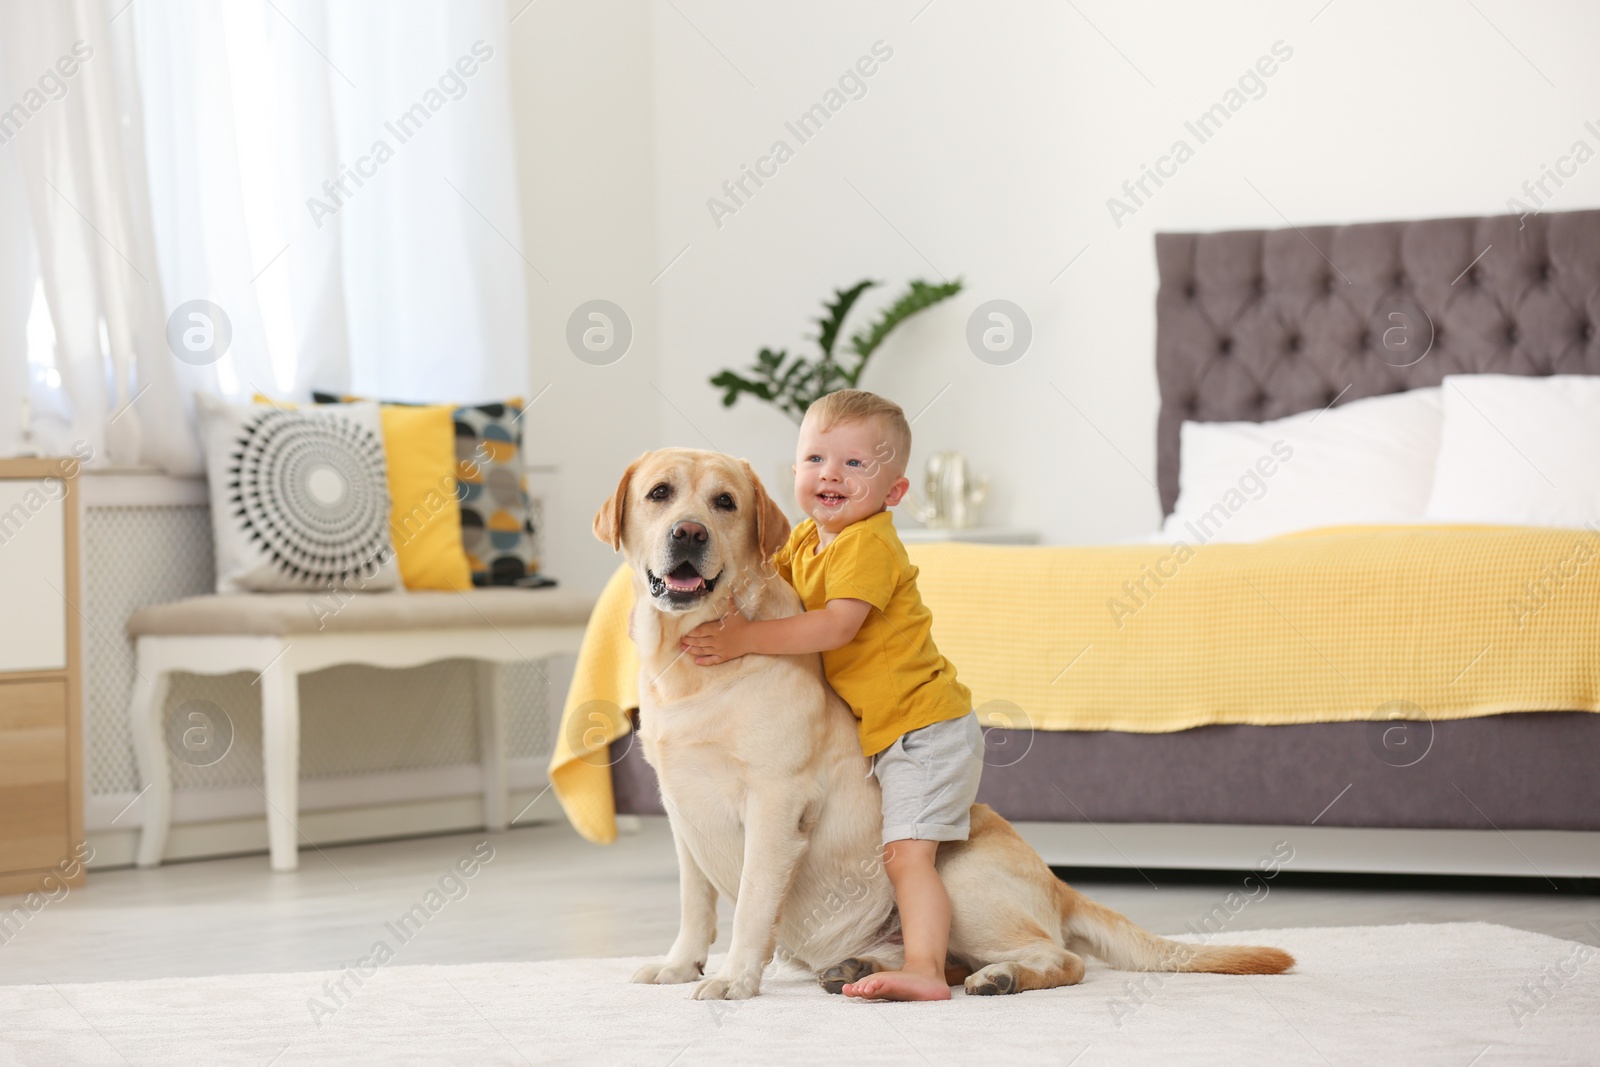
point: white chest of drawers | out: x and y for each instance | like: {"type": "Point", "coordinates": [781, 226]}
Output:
{"type": "Point", "coordinates": [41, 749]}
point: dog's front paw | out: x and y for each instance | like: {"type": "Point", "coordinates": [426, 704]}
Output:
{"type": "Point", "coordinates": [668, 973]}
{"type": "Point", "coordinates": [722, 988]}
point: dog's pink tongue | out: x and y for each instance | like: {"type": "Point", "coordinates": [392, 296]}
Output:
{"type": "Point", "coordinates": [684, 585]}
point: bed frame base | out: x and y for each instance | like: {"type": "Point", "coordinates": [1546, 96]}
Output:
{"type": "Point", "coordinates": [1514, 853]}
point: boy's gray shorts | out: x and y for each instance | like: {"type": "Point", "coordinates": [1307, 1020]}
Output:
{"type": "Point", "coordinates": [929, 779]}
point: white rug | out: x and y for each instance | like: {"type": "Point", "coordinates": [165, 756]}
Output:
{"type": "Point", "coordinates": [1456, 994]}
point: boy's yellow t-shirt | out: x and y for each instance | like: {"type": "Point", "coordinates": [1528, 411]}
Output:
{"type": "Point", "coordinates": [891, 675]}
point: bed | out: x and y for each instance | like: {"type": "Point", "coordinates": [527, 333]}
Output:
{"type": "Point", "coordinates": [1259, 325]}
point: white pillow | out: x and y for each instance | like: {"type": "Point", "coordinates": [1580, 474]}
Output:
{"type": "Point", "coordinates": [299, 497]}
{"type": "Point", "coordinates": [1519, 451]}
{"type": "Point", "coordinates": [1368, 461]}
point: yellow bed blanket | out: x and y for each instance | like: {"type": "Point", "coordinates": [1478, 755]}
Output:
{"type": "Point", "coordinates": [1327, 626]}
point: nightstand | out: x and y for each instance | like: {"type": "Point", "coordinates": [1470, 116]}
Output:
{"type": "Point", "coordinates": [977, 535]}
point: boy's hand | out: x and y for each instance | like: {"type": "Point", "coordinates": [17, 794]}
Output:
{"type": "Point", "coordinates": [711, 643]}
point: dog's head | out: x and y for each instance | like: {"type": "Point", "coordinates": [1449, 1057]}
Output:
{"type": "Point", "coordinates": [690, 523]}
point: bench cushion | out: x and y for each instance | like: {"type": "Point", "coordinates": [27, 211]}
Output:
{"type": "Point", "coordinates": [276, 614]}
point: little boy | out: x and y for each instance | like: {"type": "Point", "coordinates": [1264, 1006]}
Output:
{"type": "Point", "coordinates": [863, 613]}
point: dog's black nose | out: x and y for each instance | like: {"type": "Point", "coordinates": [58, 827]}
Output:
{"type": "Point", "coordinates": [682, 531]}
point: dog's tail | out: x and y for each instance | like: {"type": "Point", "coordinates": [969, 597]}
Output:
{"type": "Point", "coordinates": [1127, 947]}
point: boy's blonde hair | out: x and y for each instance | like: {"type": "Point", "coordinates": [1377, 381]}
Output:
{"type": "Point", "coordinates": [858, 405]}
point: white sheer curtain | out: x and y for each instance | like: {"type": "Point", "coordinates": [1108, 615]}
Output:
{"type": "Point", "coordinates": [432, 267]}
{"type": "Point", "coordinates": [238, 125]}
{"type": "Point", "coordinates": [290, 186]}
{"type": "Point", "coordinates": [338, 178]}
{"type": "Point", "coordinates": [19, 272]}
{"type": "Point", "coordinates": [73, 128]}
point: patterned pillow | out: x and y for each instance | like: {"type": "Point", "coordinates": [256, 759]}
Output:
{"type": "Point", "coordinates": [496, 515]}
{"type": "Point", "coordinates": [497, 528]}
{"type": "Point", "coordinates": [299, 498]}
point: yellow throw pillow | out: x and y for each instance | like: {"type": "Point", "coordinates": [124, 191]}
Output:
{"type": "Point", "coordinates": [424, 514]}
{"type": "Point", "coordinates": [419, 445]}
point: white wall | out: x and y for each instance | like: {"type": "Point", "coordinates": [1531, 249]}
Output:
{"type": "Point", "coordinates": [582, 83]}
{"type": "Point", "coordinates": [987, 147]}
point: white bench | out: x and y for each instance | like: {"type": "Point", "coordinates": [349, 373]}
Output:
{"type": "Point", "coordinates": [281, 636]}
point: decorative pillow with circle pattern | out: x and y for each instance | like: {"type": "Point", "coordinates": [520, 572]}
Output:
{"type": "Point", "coordinates": [299, 497]}
{"type": "Point", "coordinates": [497, 528]}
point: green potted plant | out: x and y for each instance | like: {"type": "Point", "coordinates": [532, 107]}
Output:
{"type": "Point", "coordinates": [791, 383]}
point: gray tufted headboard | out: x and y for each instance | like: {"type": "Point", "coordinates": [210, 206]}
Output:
{"type": "Point", "coordinates": [1259, 324]}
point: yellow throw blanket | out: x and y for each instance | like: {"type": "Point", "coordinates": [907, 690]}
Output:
{"type": "Point", "coordinates": [1326, 626]}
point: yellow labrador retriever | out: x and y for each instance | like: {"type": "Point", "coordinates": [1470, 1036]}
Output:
{"type": "Point", "coordinates": [766, 788]}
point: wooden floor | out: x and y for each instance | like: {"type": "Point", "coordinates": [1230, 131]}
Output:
{"type": "Point", "coordinates": [547, 894]}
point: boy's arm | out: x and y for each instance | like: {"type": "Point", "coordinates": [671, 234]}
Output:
{"type": "Point", "coordinates": [814, 631]}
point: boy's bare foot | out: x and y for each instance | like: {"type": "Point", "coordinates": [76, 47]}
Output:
{"type": "Point", "coordinates": [898, 985]}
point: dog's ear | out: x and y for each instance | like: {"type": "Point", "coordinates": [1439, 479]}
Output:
{"type": "Point", "coordinates": [772, 525]}
{"type": "Point", "coordinates": [608, 521]}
